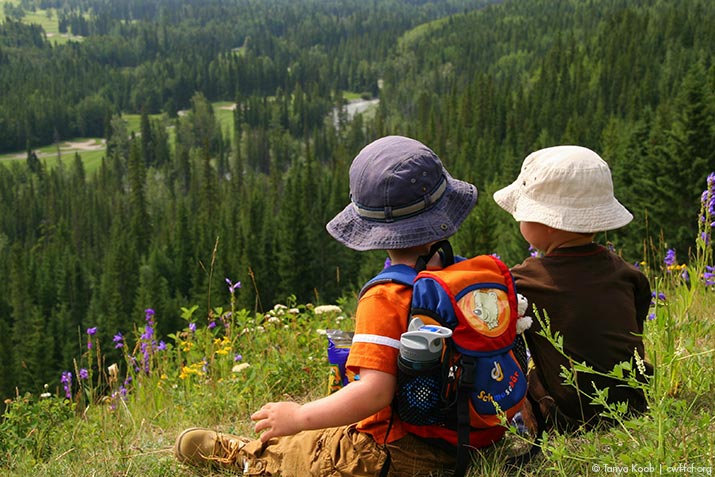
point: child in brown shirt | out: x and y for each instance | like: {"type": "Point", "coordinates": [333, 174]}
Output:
{"type": "Point", "coordinates": [562, 198]}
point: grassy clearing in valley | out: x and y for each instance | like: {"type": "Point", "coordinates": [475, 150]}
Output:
{"type": "Point", "coordinates": [47, 19]}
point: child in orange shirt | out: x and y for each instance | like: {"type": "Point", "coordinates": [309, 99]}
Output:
{"type": "Point", "coordinates": [402, 201]}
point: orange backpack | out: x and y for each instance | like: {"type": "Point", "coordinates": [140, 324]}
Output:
{"type": "Point", "coordinates": [480, 379]}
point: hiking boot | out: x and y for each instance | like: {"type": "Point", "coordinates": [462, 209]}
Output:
{"type": "Point", "coordinates": [204, 447]}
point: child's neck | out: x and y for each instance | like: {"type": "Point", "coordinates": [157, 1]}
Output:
{"type": "Point", "coordinates": [570, 239]}
{"type": "Point", "coordinates": [409, 257]}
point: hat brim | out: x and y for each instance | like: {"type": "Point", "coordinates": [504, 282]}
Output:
{"type": "Point", "coordinates": [593, 219]}
{"type": "Point", "coordinates": [439, 221]}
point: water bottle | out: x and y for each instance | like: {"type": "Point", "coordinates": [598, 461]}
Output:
{"type": "Point", "coordinates": [421, 345]}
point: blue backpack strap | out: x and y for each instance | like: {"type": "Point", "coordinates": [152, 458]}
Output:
{"type": "Point", "coordinates": [403, 274]}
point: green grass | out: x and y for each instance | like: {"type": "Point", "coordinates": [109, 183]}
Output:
{"type": "Point", "coordinates": [47, 19]}
{"type": "Point", "coordinates": [411, 36]}
{"type": "Point", "coordinates": [195, 381]}
{"type": "Point", "coordinates": [92, 159]}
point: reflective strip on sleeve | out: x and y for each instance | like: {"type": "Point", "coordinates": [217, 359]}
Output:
{"type": "Point", "coordinates": [377, 339]}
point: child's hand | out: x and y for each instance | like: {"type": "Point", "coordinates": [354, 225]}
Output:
{"type": "Point", "coordinates": [277, 419]}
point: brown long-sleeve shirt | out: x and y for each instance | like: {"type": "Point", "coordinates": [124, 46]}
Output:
{"type": "Point", "coordinates": [598, 303]}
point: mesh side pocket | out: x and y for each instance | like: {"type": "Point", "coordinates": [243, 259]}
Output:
{"type": "Point", "coordinates": [418, 395]}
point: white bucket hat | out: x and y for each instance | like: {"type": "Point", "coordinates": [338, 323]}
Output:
{"type": "Point", "coordinates": [567, 188]}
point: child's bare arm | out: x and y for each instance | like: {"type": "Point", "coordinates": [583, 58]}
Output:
{"type": "Point", "coordinates": [360, 399]}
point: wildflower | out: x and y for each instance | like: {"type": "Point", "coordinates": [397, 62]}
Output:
{"type": "Point", "coordinates": [113, 371]}
{"type": "Point", "coordinates": [240, 367]}
{"type": "Point", "coordinates": [533, 251]}
{"type": "Point", "coordinates": [660, 296]}
{"type": "Point", "coordinates": [45, 395]}
{"type": "Point", "coordinates": [237, 357]}
{"type": "Point", "coordinates": [192, 327]}
{"type": "Point", "coordinates": [709, 276]}
{"type": "Point", "coordinates": [708, 197]}
{"type": "Point", "coordinates": [90, 332]}
{"type": "Point", "coordinates": [212, 325]}
{"type": "Point", "coordinates": [83, 374]}
{"type": "Point", "coordinates": [670, 260]}
{"type": "Point", "coordinates": [232, 287]}
{"type": "Point", "coordinates": [388, 262]}
{"type": "Point", "coordinates": [319, 310]}
{"type": "Point", "coordinates": [118, 340]}
{"type": "Point", "coordinates": [66, 380]}
{"type": "Point", "coordinates": [496, 255]}
{"type": "Point", "coordinates": [162, 346]}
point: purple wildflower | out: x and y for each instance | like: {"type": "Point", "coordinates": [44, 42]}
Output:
{"type": "Point", "coordinates": [709, 196]}
{"type": "Point", "coordinates": [237, 357]}
{"type": "Point", "coordinates": [92, 331]}
{"type": "Point", "coordinates": [83, 373]}
{"type": "Point", "coordinates": [651, 316]}
{"type": "Point", "coordinates": [388, 262]}
{"type": "Point", "coordinates": [192, 327]}
{"type": "Point", "coordinates": [656, 297]}
{"type": "Point", "coordinates": [66, 380]}
{"type": "Point", "coordinates": [533, 251]}
{"type": "Point", "coordinates": [232, 287]}
{"type": "Point", "coordinates": [147, 340]}
{"type": "Point", "coordinates": [119, 340]}
{"type": "Point", "coordinates": [709, 276]}
{"type": "Point", "coordinates": [670, 258]}
{"type": "Point", "coordinates": [162, 346]}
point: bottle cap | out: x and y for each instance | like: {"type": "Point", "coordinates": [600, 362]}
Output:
{"type": "Point", "coordinates": [423, 343]}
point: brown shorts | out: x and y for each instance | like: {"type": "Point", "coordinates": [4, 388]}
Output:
{"type": "Point", "coordinates": [341, 451]}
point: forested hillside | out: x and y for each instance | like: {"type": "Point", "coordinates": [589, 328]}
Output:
{"type": "Point", "coordinates": [182, 205]}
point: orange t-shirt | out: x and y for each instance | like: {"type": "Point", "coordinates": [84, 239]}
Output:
{"type": "Point", "coordinates": [380, 319]}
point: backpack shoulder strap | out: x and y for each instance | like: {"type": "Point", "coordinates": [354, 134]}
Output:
{"type": "Point", "coordinates": [403, 274]}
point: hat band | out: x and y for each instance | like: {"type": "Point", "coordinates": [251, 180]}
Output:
{"type": "Point", "coordinates": [388, 214]}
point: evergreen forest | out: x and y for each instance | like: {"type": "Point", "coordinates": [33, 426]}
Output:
{"type": "Point", "coordinates": [184, 203]}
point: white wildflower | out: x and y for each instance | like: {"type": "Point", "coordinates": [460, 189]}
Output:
{"type": "Point", "coordinates": [240, 367]}
{"type": "Point", "coordinates": [319, 310]}
{"type": "Point", "coordinates": [113, 370]}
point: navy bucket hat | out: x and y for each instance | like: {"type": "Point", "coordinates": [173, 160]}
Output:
{"type": "Point", "coordinates": [400, 196]}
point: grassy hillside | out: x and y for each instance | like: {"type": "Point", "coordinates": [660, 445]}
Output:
{"type": "Point", "coordinates": [122, 418]}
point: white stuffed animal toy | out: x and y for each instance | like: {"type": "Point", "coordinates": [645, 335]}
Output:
{"type": "Point", "coordinates": [523, 322]}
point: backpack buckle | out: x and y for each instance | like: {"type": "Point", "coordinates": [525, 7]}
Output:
{"type": "Point", "coordinates": [466, 379]}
